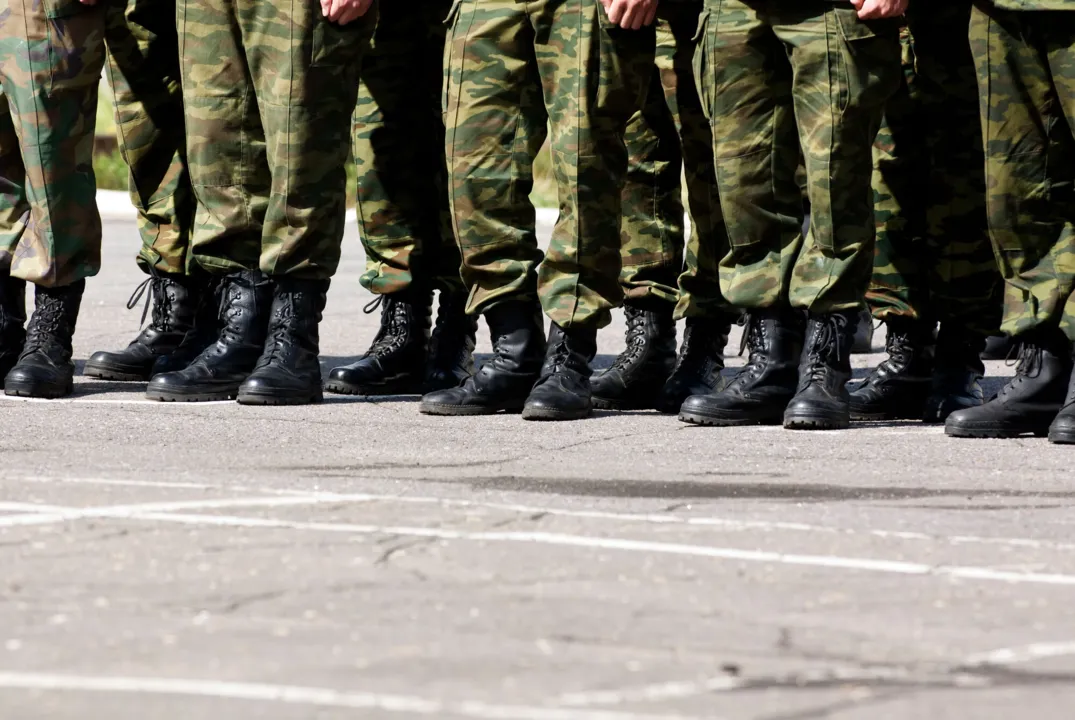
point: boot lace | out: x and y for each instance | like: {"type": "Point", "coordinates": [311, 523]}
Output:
{"type": "Point", "coordinates": [392, 334]}
{"type": "Point", "coordinates": [557, 358]}
{"type": "Point", "coordinates": [827, 347]}
{"type": "Point", "coordinates": [636, 339]}
{"type": "Point", "coordinates": [754, 339]}
{"type": "Point", "coordinates": [451, 329]}
{"type": "Point", "coordinates": [157, 296]}
{"type": "Point", "coordinates": [47, 322]}
{"type": "Point", "coordinates": [899, 348]}
{"type": "Point", "coordinates": [1027, 361]}
{"type": "Point", "coordinates": [279, 336]}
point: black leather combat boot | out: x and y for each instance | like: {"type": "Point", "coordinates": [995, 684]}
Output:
{"type": "Point", "coordinates": [863, 343]}
{"type": "Point", "coordinates": [395, 364]}
{"type": "Point", "coordinates": [1031, 401]}
{"type": "Point", "coordinates": [957, 375]}
{"type": "Point", "coordinates": [639, 373]}
{"type": "Point", "coordinates": [203, 333]}
{"type": "Point", "coordinates": [762, 389]}
{"type": "Point", "coordinates": [998, 347]}
{"type": "Point", "coordinates": [898, 388]}
{"type": "Point", "coordinates": [822, 401]}
{"type": "Point", "coordinates": [504, 382]}
{"type": "Point", "coordinates": [44, 369]}
{"type": "Point", "coordinates": [175, 301]}
{"type": "Point", "coordinates": [1062, 429]}
{"type": "Point", "coordinates": [289, 371]}
{"type": "Point", "coordinates": [451, 347]}
{"type": "Point", "coordinates": [245, 303]}
{"type": "Point", "coordinates": [563, 390]}
{"type": "Point", "coordinates": [12, 321]}
{"type": "Point", "coordinates": [699, 365]}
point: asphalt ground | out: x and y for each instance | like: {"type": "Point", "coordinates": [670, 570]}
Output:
{"type": "Point", "coordinates": [357, 559]}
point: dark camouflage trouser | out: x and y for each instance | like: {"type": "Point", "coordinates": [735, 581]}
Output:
{"type": "Point", "coordinates": [51, 55]}
{"type": "Point", "coordinates": [808, 74]}
{"type": "Point", "coordinates": [933, 260]}
{"type": "Point", "coordinates": [1026, 74]}
{"type": "Point", "coordinates": [512, 68]}
{"type": "Point", "coordinates": [403, 211]}
{"type": "Point", "coordinates": [668, 136]}
{"type": "Point", "coordinates": [143, 70]}
{"type": "Point", "coordinates": [269, 92]}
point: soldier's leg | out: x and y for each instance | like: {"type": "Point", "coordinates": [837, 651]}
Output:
{"type": "Point", "coordinates": [745, 81]}
{"type": "Point", "coordinates": [230, 175]}
{"type": "Point", "coordinates": [846, 69]}
{"type": "Point", "coordinates": [53, 54]}
{"type": "Point", "coordinates": [307, 123]}
{"type": "Point", "coordinates": [403, 212]}
{"type": "Point", "coordinates": [652, 248]}
{"type": "Point", "coordinates": [964, 282]}
{"type": "Point", "coordinates": [14, 211]}
{"type": "Point", "coordinates": [591, 93]}
{"type": "Point", "coordinates": [496, 123]}
{"type": "Point", "coordinates": [1062, 60]}
{"type": "Point", "coordinates": [143, 70]}
{"type": "Point", "coordinates": [898, 293]}
{"type": "Point", "coordinates": [1030, 175]}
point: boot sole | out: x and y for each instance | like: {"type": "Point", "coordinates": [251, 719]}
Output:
{"type": "Point", "coordinates": [341, 388]}
{"type": "Point", "coordinates": [620, 406]}
{"type": "Point", "coordinates": [266, 399]}
{"type": "Point", "coordinates": [103, 372]}
{"type": "Point", "coordinates": [994, 433]}
{"type": "Point", "coordinates": [13, 389]}
{"type": "Point", "coordinates": [552, 415]}
{"type": "Point", "coordinates": [710, 421]}
{"type": "Point", "coordinates": [192, 397]}
{"type": "Point", "coordinates": [858, 416]}
{"type": "Point", "coordinates": [1061, 438]}
{"type": "Point", "coordinates": [465, 410]}
{"type": "Point", "coordinates": [815, 422]}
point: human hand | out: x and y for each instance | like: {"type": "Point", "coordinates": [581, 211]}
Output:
{"type": "Point", "coordinates": [631, 14]}
{"type": "Point", "coordinates": [878, 9]}
{"type": "Point", "coordinates": [343, 11]}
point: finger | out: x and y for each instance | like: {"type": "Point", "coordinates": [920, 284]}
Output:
{"type": "Point", "coordinates": [326, 6]}
{"type": "Point", "coordinates": [615, 13]}
{"type": "Point", "coordinates": [651, 16]}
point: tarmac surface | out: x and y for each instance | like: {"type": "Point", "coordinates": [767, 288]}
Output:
{"type": "Point", "coordinates": [357, 559]}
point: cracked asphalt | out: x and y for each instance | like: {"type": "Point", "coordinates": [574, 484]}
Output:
{"type": "Point", "coordinates": [356, 559]}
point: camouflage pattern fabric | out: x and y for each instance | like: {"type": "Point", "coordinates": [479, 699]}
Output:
{"type": "Point", "coordinates": [512, 68]}
{"type": "Point", "coordinates": [933, 259]}
{"type": "Point", "coordinates": [143, 70]}
{"type": "Point", "coordinates": [667, 140]}
{"type": "Point", "coordinates": [807, 74]}
{"type": "Point", "coordinates": [51, 55]}
{"type": "Point", "coordinates": [269, 92]}
{"type": "Point", "coordinates": [1026, 74]}
{"type": "Point", "coordinates": [403, 212]}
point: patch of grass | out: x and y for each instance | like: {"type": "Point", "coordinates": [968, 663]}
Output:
{"type": "Point", "coordinates": [111, 171]}
{"type": "Point", "coordinates": [106, 120]}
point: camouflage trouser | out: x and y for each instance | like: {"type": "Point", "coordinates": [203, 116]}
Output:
{"type": "Point", "coordinates": [143, 70]}
{"type": "Point", "coordinates": [1026, 74]}
{"type": "Point", "coordinates": [933, 260]}
{"type": "Point", "coordinates": [51, 55]}
{"type": "Point", "coordinates": [668, 136]}
{"type": "Point", "coordinates": [511, 68]}
{"type": "Point", "coordinates": [269, 92]}
{"type": "Point", "coordinates": [403, 211]}
{"type": "Point", "coordinates": [808, 74]}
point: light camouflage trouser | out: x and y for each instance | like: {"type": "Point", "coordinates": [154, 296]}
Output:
{"type": "Point", "coordinates": [807, 75]}
{"type": "Point", "coordinates": [269, 92]}
{"type": "Point", "coordinates": [667, 140]}
{"type": "Point", "coordinates": [1026, 76]}
{"type": "Point", "coordinates": [511, 68]}
{"type": "Point", "coordinates": [51, 55]}
{"type": "Point", "coordinates": [143, 70]}
{"type": "Point", "coordinates": [933, 259]}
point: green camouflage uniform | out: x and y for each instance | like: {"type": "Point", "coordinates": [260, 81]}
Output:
{"type": "Point", "coordinates": [51, 55]}
{"type": "Point", "coordinates": [668, 136]}
{"type": "Point", "coordinates": [512, 68]}
{"type": "Point", "coordinates": [801, 73]}
{"type": "Point", "coordinates": [143, 70]}
{"type": "Point", "coordinates": [269, 92]}
{"type": "Point", "coordinates": [1026, 75]}
{"type": "Point", "coordinates": [933, 259]}
{"type": "Point", "coordinates": [403, 211]}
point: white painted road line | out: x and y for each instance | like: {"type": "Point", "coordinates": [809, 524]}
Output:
{"type": "Point", "coordinates": [310, 696]}
{"type": "Point", "coordinates": [727, 524]}
{"type": "Point", "coordinates": [831, 562]}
